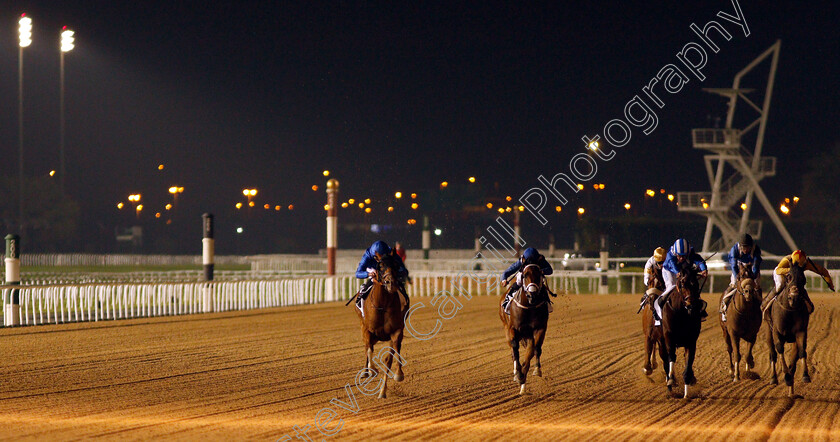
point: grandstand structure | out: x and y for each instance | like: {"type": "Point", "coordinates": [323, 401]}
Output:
{"type": "Point", "coordinates": [734, 169]}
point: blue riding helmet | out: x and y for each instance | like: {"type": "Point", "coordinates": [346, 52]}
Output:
{"type": "Point", "coordinates": [680, 247]}
{"type": "Point", "coordinates": [530, 254]}
{"type": "Point", "coordinates": [380, 247]}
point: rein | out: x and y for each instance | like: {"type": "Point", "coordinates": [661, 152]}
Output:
{"type": "Point", "coordinates": [525, 287]}
{"type": "Point", "coordinates": [516, 301]}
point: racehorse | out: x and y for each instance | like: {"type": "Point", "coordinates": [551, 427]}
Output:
{"type": "Point", "coordinates": [383, 320]}
{"type": "Point", "coordinates": [653, 333]}
{"type": "Point", "coordinates": [681, 316]}
{"type": "Point", "coordinates": [788, 323]}
{"type": "Point", "coordinates": [527, 322]}
{"type": "Point", "coordinates": [743, 319]}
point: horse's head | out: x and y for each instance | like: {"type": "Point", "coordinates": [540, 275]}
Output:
{"type": "Point", "coordinates": [657, 281]}
{"type": "Point", "coordinates": [795, 285]}
{"type": "Point", "coordinates": [746, 282]}
{"type": "Point", "coordinates": [388, 269]}
{"type": "Point", "coordinates": [532, 282]}
{"type": "Point", "coordinates": [688, 288]}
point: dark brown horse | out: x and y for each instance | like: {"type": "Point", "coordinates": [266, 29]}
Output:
{"type": "Point", "coordinates": [743, 319]}
{"type": "Point", "coordinates": [653, 332]}
{"type": "Point", "coordinates": [383, 320]}
{"type": "Point", "coordinates": [788, 323]}
{"type": "Point", "coordinates": [527, 322]}
{"type": "Point", "coordinates": [681, 316]}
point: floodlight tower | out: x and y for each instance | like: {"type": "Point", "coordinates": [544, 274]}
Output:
{"type": "Point", "coordinates": [728, 205]}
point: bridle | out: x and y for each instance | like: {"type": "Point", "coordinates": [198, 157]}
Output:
{"type": "Point", "coordinates": [791, 286]}
{"type": "Point", "coordinates": [531, 289]}
{"type": "Point", "coordinates": [684, 287]}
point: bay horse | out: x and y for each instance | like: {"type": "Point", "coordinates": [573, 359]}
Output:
{"type": "Point", "coordinates": [743, 320]}
{"type": "Point", "coordinates": [788, 323]}
{"type": "Point", "coordinates": [527, 322]}
{"type": "Point", "coordinates": [652, 332]}
{"type": "Point", "coordinates": [681, 317]}
{"type": "Point", "coordinates": [383, 319]}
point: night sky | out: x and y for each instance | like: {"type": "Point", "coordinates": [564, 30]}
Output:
{"type": "Point", "coordinates": [387, 96]}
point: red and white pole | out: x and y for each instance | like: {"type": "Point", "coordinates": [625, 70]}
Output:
{"type": "Point", "coordinates": [332, 224]}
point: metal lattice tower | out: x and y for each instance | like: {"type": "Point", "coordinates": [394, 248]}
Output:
{"type": "Point", "coordinates": [728, 205]}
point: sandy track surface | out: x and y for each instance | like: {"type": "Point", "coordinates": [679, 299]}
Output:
{"type": "Point", "coordinates": [256, 375]}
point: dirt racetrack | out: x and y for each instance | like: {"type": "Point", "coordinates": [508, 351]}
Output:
{"type": "Point", "coordinates": [256, 375]}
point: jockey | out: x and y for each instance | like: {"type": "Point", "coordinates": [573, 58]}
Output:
{"type": "Point", "coordinates": [368, 266]}
{"type": "Point", "coordinates": [653, 267]}
{"type": "Point", "coordinates": [400, 250]}
{"type": "Point", "coordinates": [529, 256]}
{"type": "Point", "coordinates": [679, 257]}
{"type": "Point", "coordinates": [797, 258]}
{"type": "Point", "coordinates": [743, 252]}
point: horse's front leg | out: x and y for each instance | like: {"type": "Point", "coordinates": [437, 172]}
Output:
{"type": "Point", "coordinates": [771, 347]}
{"type": "Point", "coordinates": [802, 346]}
{"type": "Point", "coordinates": [650, 344]}
{"type": "Point", "coordinates": [749, 359]}
{"type": "Point", "coordinates": [539, 337]}
{"type": "Point", "coordinates": [780, 349]}
{"type": "Point", "coordinates": [368, 340]}
{"type": "Point", "coordinates": [513, 341]}
{"type": "Point", "coordinates": [672, 358]}
{"type": "Point", "coordinates": [526, 365]}
{"type": "Point", "coordinates": [728, 339]}
{"type": "Point", "coordinates": [396, 344]}
{"type": "Point", "coordinates": [688, 374]}
{"type": "Point", "coordinates": [736, 346]}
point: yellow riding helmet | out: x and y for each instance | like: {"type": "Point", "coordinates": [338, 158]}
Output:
{"type": "Point", "coordinates": [659, 254]}
{"type": "Point", "coordinates": [799, 258]}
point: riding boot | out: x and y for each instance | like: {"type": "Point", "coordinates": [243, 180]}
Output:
{"type": "Point", "coordinates": [657, 303]}
{"type": "Point", "coordinates": [765, 303]}
{"type": "Point", "coordinates": [544, 293]}
{"type": "Point", "coordinates": [363, 292]}
{"type": "Point", "coordinates": [508, 297]}
{"type": "Point", "coordinates": [724, 302]}
{"type": "Point", "coordinates": [703, 314]}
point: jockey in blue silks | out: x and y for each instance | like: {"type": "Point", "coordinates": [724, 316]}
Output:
{"type": "Point", "coordinates": [529, 256]}
{"type": "Point", "coordinates": [678, 258]}
{"type": "Point", "coordinates": [368, 269]}
{"type": "Point", "coordinates": [743, 252]}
